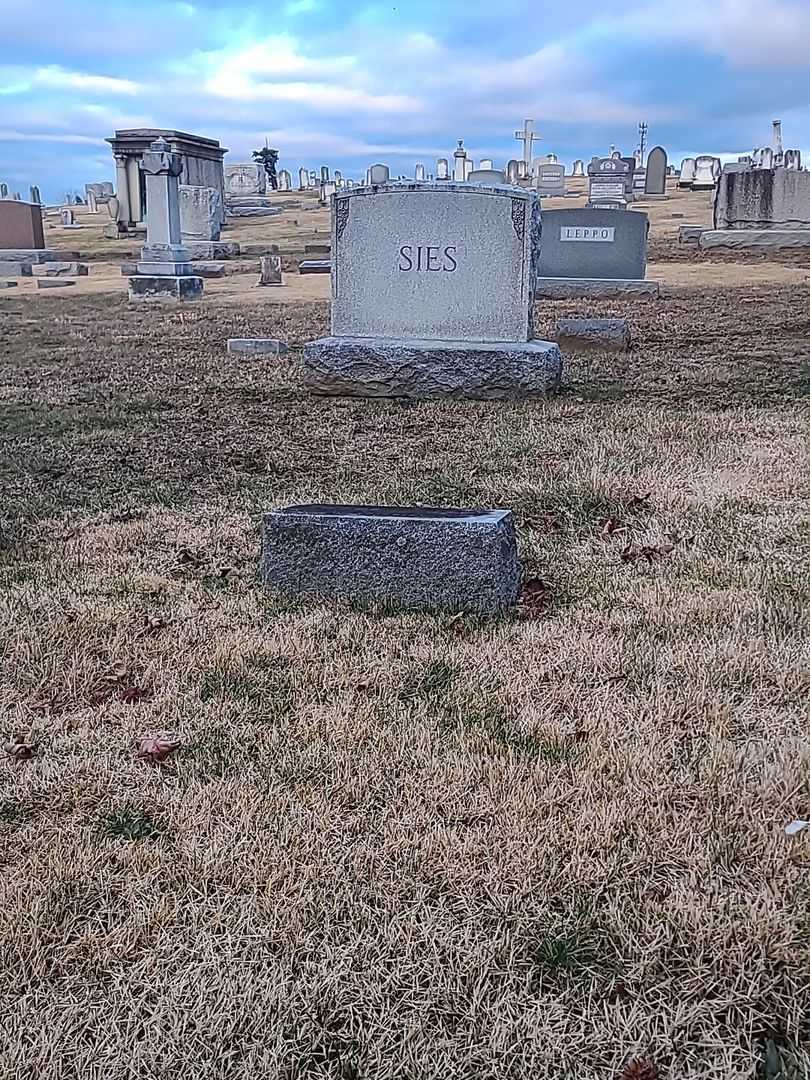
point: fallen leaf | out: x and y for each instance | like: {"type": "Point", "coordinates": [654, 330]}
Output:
{"type": "Point", "coordinates": [131, 695]}
{"type": "Point", "coordinates": [18, 749]}
{"type": "Point", "coordinates": [535, 597]}
{"type": "Point", "coordinates": [186, 557]}
{"type": "Point", "coordinates": [157, 746]}
{"type": "Point", "coordinates": [639, 1069]}
{"type": "Point", "coordinates": [638, 501]}
{"type": "Point", "coordinates": [648, 552]}
{"type": "Point", "coordinates": [796, 826]}
{"type": "Point", "coordinates": [611, 526]}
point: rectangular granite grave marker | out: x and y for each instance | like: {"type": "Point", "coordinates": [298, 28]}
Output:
{"type": "Point", "coordinates": [417, 309]}
{"type": "Point", "coordinates": [21, 225]}
{"type": "Point", "coordinates": [590, 243]}
{"type": "Point", "coordinates": [417, 558]}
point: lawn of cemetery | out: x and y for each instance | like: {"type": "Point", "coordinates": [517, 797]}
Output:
{"type": "Point", "coordinates": [561, 842]}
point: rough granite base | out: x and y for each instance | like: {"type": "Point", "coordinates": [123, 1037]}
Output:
{"type": "Point", "coordinates": [595, 288]}
{"type": "Point", "coordinates": [754, 238]}
{"type": "Point", "coordinates": [36, 255]}
{"type": "Point", "coordinates": [391, 368]}
{"type": "Point", "coordinates": [165, 289]}
{"type": "Point", "coordinates": [414, 558]}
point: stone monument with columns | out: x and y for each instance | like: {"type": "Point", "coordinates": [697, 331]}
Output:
{"type": "Point", "coordinates": [164, 272]}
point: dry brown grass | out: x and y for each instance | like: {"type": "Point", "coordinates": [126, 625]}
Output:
{"type": "Point", "coordinates": [391, 845]}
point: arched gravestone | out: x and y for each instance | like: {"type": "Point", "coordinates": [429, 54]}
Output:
{"type": "Point", "coordinates": [609, 181]}
{"type": "Point", "coordinates": [707, 172]}
{"type": "Point", "coordinates": [512, 172]}
{"type": "Point", "coordinates": [579, 169]}
{"type": "Point", "coordinates": [656, 180]}
{"type": "Point", "coordinates": [442, 169]}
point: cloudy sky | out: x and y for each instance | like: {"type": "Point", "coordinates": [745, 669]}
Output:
{"type": "Point", "coordinates": [349, 83]}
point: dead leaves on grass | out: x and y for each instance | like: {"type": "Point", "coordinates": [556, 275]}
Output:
{"type": "Point", "coordinates": [535, 598]}
{"type": "Point", "coordinates": [639, 1069]}
{"type": "Point", "coordinates": [648, 552]}
{"type": "Point", "coordinates": [19, 749]}
{"type": "Point", "coordinates": [158, 746]}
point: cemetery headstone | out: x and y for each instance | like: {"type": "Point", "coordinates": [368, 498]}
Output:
{"type": "Point", "coordinates": [655, 182]}
{"type": "Point", "coordinates": [460, 162]}
{"type": "Point", "coordinates": [3, 191]}
{"type": "Point", "coordinates": [487, 176]}
{"type": "Point", "coordinates": [324, 174]}
{"type": "Point", "coordinates": [609, 181]}
{"type": "Point", "coordinates": [550, 182]}
{"type": "Point", "coordinates": [512, 174]}
{"type": "Point", "coordinates": [419, 172]}
{"type": "Point", "coordinates": [67, 216]}
{"type": "Point", "coordinates": [270, 268]}
{"type": "Point", "coordinates": [416, 309]}
{"type": "Point", "coordinates": [763, 199]}
{"type": "Point", "coordinates": [707, 172]}
{"type": "Point", "coordinates": [164, 272]}
{"type": "Point", "coordinates": [247, 178]}
{"type": "Point", "coordinates": [579, 168]}
{"type": "Point", "coordinates": [20, 226]}
{"type": "Point", "coordinates": [687, 174]}
{"type": "Point", "coordinates": [485, 164]}
{"type": "Point", "coordinates": [378, 174]}
{"type": "Point", "coordinates": [200, 212]}
{"type": "Point", "coordinates": [34, 195]}
{"type": "Point", "coordinates": [793, 159]}
{"type": "Point", "coordinates": [442, 169]}
{"type": "Point", "coordinates": [303, 179]}
{"type": "Point", "coordinates": [590, 243]}
{"type": "Point", "coordinates": [766, 161]}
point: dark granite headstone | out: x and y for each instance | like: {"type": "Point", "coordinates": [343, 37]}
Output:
{"type": "Point", "coordinates": [593, 244]}
{"type": "Point", "coordinates": [656, 181]}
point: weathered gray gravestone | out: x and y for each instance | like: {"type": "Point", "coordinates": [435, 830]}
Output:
{"type": "Point", "coordinates": [200, 212]}
{"type": "Point", "coordinates": [407, 557]}
{"type": "Point", "coordinates": [442, 169]}
{"type": "Point", "coordinates": [687, 173]}
{"type": "Point", "coordinates": [593, 244]}
{"type": "Point", "coordinates": [3, 191]}
{"type": "Point", "coordinates": [550, 180]}
{"type": "Point", "coordinates": [378, 174]}
{"type": "Point", "coordinates": [270, 268]}
{"type": "Point", "coordinates": [416, 308]}
{"type": "Point", "coordinates": [164, 272]}
{"type": "Point", "coordinates": [655, 182]}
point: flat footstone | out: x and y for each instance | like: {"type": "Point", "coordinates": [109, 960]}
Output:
{"type": "Point", "coordinates": [315, 266]}
{"type": "Point", "coordinates": [389, 368]}
{"type": "Point", "coordinates": [595, 288]}
{"type": "Point", "coordinates": [263, 346]}
{"type": "Point", "coordinates": [602, 335]}
{"type": "Point", "coordinates": [8, 284]}
{"type": "Point", "coordinates": [415, 558]}
{"type": "Point", "coordinates": [54, 283]}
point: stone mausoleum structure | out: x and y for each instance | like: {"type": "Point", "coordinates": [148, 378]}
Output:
{"type": "Point", "coordinates": [200, 166]}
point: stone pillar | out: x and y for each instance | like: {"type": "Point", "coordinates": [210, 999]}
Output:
{"type": "Point", "coordinates": [122, 190]}
{"type": "Point", "coordinates": [164, 272]}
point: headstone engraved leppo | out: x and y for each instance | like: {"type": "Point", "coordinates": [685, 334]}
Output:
{"type": "Point", "coordinates": [416, 308]}
{"type": "Point", "coordinates": [593, 244]}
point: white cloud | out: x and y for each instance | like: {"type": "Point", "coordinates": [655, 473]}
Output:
{"type": "Point", "coordinates": [58, 78]}
{"type": "Point", "coordinates": [747, 33]}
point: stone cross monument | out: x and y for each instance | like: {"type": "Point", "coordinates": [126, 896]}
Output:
{"type": "Point", "coordinates": [527, 136]}
{"type": "Point", "coordinates": [164, 272]}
